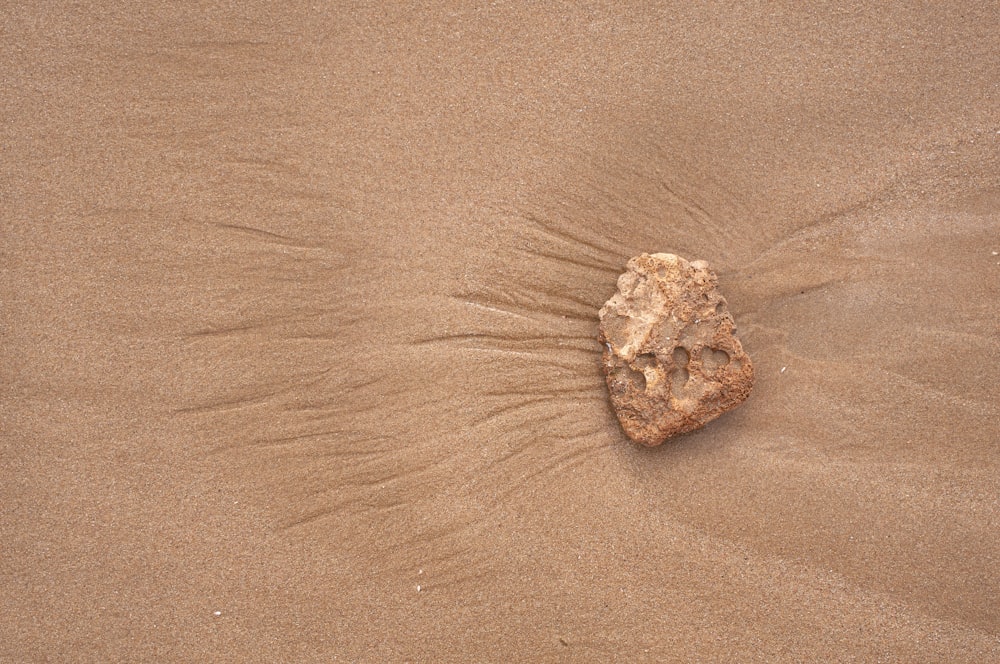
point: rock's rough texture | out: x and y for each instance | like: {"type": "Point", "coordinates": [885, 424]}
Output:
{"type": "Point", "coordinates": [671, 356]}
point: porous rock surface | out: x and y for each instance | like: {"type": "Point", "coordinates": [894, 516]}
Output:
{"type": "Point", "coordinates": [671, 357]}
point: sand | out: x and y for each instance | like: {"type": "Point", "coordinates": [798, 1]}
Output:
{"type": "Point", "coordinates": [299, 316]}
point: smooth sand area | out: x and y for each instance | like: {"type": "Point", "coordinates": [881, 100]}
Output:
{"type": "Point", "coordinates": [298, 309]}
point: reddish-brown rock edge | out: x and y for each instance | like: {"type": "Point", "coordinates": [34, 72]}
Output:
{"type": "Point", "coordinates": [671, 357]}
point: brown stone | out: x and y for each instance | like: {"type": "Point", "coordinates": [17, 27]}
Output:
{"type": "Point", "coordinates": [671, 357]}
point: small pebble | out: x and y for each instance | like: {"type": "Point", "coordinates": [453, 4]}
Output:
{"type": "Point", "coordinates": [671, 359]}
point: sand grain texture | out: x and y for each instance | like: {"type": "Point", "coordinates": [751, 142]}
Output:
{"type": "Point", "coordinates": [298, 306]}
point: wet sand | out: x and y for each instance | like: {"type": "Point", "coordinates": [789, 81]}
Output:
{"type": "Point", "coordinates": [299, 317]}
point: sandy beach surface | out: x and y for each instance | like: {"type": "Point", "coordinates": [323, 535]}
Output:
{"type": "Point", "coordinates": [298, 309]}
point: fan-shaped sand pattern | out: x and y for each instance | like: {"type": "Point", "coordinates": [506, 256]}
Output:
{"type": "Point", "coordinates": [300, 318]}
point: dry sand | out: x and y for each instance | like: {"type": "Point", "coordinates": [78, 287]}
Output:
{"type": "Point", "coordinates": [299, 317]}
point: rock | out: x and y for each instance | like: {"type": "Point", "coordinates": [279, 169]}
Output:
{"type": "Point", "coordinates": [671, 357]}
